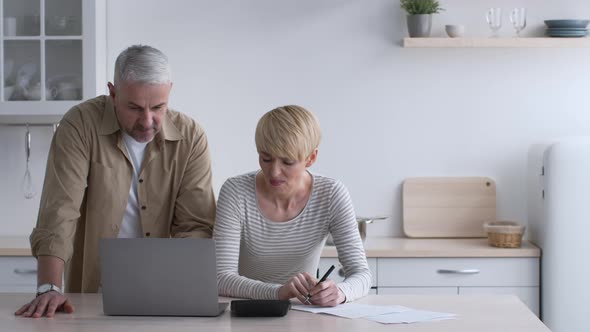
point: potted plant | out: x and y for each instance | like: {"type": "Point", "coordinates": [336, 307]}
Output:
{"type": "Point", "coordinates": [419, 17]}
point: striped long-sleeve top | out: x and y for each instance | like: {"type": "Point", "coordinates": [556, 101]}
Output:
{"type": "Point", "coordinates": [256, 256]}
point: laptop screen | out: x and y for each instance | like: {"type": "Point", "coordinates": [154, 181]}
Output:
{"type": "Point", "coordinates": [159, 277]}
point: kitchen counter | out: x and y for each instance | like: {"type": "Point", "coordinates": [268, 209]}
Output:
{"type": "Point", "coordinates": [15, 246]}
{"type": "Point", "coordinates": [407, 247]}
{"type": "Point", "coordinates": [482, 313]}
{"type": "Point", "coordinates": [374, 247]}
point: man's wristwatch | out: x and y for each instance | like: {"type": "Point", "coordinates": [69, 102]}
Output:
{"type": "Point", "coordinates": [44, 288]}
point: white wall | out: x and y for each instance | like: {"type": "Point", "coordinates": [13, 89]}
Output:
{"type": "Point", "coordinates": [17, 214]}
{"type": "Point", "coordinates": [387, 112]}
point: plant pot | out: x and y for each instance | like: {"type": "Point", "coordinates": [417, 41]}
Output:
{"type": "Point", "coordinates": [419, 25]}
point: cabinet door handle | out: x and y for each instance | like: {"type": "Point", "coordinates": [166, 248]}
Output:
{"type": "Point", "coordinates": [25, 271]}
{"type": "Point", "coordinates": [463, 271]}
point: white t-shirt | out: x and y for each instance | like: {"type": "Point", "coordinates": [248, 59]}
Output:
{"type": "Point", "coordinates": [131, 225]}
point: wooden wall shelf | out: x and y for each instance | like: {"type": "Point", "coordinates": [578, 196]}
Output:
{"type": "Point", "coordinates": [545, 42]}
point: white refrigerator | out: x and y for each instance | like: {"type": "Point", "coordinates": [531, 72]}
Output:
{"type": "Point", "coordinates": [559, 223]}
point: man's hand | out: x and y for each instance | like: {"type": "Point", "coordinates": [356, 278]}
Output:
{"type": "Point", "coordinates": [46, 304]}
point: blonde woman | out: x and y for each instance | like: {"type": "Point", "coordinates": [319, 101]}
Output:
{"type": "Point", "coordinates": [271, 224]}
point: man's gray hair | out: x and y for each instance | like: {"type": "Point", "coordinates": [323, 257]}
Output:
{"type": "Point", "coordinates": [144, 64]}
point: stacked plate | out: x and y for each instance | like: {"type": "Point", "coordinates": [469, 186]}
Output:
{"type": "Point", "coordinates": [567, 28]}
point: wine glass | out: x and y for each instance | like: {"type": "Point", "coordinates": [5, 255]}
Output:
{"type": "Point", "coordinates": [494, 19]}
{"type": "Point", "coordinates": [518, 19]}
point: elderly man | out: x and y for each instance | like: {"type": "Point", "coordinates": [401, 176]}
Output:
{"type": "Point", "coordinates": [122, 165]}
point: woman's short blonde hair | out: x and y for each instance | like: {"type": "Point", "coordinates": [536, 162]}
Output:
{"type": "Point", "coordinates": [290, 132]}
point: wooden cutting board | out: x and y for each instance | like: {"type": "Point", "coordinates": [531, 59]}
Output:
{"type": "Point", "coordinates": [448, 207]}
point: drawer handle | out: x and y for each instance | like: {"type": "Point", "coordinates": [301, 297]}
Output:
{"type": "Point", "coordinates": [464, 271]}
{"type": "Point", "coordinates": [25, 271]}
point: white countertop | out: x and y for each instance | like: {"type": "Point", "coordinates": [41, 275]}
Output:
{"type": "Point", "coordinates": [374, 247]}
{"type": "Point", "coordinates": [486, 313]}
{"type": "Point", "coordinates": [15, 246]}
{"type": "Point", "coordinates": [409, 247]}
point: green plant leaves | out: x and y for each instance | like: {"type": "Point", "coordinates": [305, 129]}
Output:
{"type": "Point", "coordinates": [417, 7]}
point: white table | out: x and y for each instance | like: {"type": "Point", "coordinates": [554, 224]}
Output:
{"type": "Point", "coordinates": [475, 313]}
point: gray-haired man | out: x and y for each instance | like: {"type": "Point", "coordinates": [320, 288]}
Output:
{"type": "Point", "coordinates": [122, 165]}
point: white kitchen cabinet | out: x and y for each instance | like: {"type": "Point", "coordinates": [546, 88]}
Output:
{"type": "Point", "coordinates": [18, 274]}
{"type": "Point", "coordinates": [485, 275]}
{"type": "Point", "coordinates": [338, 274]}
{"type": "Point", "coordinates": [52, 54]}
{"type": "Point", "coordinates": [528, 295]}
{"type": "Point", "coordinates": [460, 267]}
{"type": "Point", "coordinates": [507, 272]}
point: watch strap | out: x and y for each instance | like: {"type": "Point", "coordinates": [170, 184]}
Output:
{"type": "Point", "coordinates": [46, 288]}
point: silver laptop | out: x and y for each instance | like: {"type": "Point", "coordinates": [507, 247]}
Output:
{"type": "Point", "coordinates": [159, 277]}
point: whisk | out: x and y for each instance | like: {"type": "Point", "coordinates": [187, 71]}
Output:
{"type": "Point", "coordinates": [28, 189]}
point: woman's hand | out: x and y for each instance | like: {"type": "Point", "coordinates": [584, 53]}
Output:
{"type": "Point", "coordinates": [297, 286]}
{"type": "Point", "coordinates": [326, 294]}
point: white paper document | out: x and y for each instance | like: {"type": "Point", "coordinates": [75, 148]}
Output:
{"type": "Point", "coordinates": [352, 310]}
{"type": "Point", "coordinates": [395, 314]}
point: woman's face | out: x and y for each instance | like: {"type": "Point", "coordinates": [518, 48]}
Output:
{"type": "Point", "coordinates": [284, 175]}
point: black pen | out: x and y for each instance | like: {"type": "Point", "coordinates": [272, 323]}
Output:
{"type": "Point", "coordinates": [321, 280]}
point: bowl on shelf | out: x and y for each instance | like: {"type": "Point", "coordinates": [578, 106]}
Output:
{"type": "Point", "coordinates": [566, 34]}
{"type": "Point", "coordinates": [573, 24]}
{"type": "Point", "coordinates": [68, 91]}
{"type": "Point", "coordinates": [455, 31]}
{"type": "Point", "coordinates": [504, 234]}
{"type": "Point", "coordinates": [33, 92]}
{"type": "Point", "coordinates": [566, 28]}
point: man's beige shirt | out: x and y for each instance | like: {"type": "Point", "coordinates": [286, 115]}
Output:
{"type": "Point", "coordinates": [87, 183]}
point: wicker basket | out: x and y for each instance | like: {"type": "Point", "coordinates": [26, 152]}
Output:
{"type": "Point", "coordinates": [504, 234]}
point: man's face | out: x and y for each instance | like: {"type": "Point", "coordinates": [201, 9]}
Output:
{"type": "Point", "coordinates": [140, 107]}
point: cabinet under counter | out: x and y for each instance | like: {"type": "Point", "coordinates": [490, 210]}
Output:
{"type": "Point", "coordinates": [448, 266]}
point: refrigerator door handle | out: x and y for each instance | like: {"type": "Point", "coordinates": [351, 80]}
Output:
{"type": "Point", "coordinates": [462, 271]}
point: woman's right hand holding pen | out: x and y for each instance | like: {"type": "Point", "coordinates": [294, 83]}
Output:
{"type": "Point", "coordinates": [326, 294]}
{"type": "Point", "coordinates": [308, 290]}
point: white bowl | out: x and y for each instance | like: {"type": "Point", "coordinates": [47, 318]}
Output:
{"type": "Point", "coordinates": [33, 93]}
{"type": "Point", "coordinates": [455, 31]}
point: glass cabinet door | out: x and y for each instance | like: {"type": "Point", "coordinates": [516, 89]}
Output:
{"type": "Point", "coordinates": [63, 79]}
{"type": "Point", "coordinates": [63, 17]}
{"type": "Point", "coordinates": [41, 50]}
{"type": "Point", "coordinates": [22, 74]}
{"type": "Point", "coordinates": [21, 18]}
